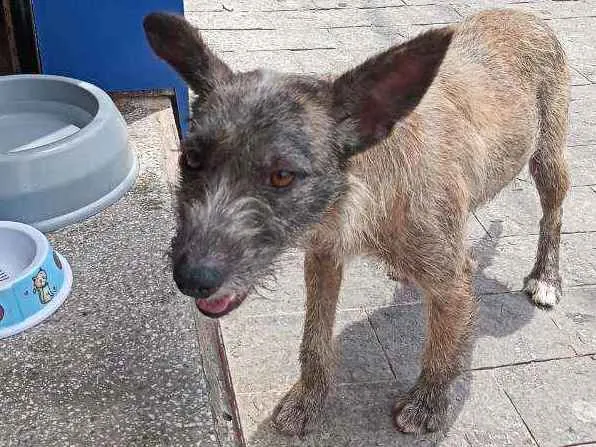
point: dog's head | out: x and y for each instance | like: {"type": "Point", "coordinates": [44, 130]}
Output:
{"type": "Point", "coordinates": [267, 152]}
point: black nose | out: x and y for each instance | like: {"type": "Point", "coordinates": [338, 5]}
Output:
{"type": "Point", "coordinates": [199, 281]}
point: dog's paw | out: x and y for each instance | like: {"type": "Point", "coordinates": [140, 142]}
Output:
{"type": "Point", "coordinates": [542, 293]}
{"type": "Point", "coordinates": [297, 410]}
{"type": "Point", "coordinates": [420, 411]}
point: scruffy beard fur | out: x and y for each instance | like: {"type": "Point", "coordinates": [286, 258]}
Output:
{"type": "Point", "coordinates": [387, 160]}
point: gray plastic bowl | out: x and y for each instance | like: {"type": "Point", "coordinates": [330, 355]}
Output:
{"type": "Point", "coordinates": [64, 151]}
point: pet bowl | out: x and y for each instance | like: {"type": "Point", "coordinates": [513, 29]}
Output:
{"type": "Point", "coordinates": [34, 279]}
{"type": "Point", "coordinates": [64, 151]}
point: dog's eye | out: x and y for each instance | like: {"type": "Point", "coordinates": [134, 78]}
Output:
{"type": "Point", "coordinates": [281, 178]}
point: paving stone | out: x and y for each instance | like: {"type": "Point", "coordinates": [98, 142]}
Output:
{"type": "Point", "coordinates": [355, 415]}
{"type": "Point", "coordinates": [482, 4]}
{"type": "Point", "coordinates": [369, 40]}
{"type": "Point", "coordinates": [359, 416]}
{"type": "Point", "coordinates": [517, 210]}
{"type": "Point", "coordinates": [309, 19]}
{"type": "Point", "coordinates": [286, 61]}
{"type": "Point", "coordinates": [504, 262]}
{"type": "Point", "coordinates": [582, 116]}
{"type": "Point", "coordinates": [313, 61]}
{"type": "Point", "coordinates": [285, 295]}
{"type": "Point", "coordinates": [486, 417]}
{"type": "Point", "coordinates": [401, 333]}
{"type": "Point", "coordinates": [263, 351]}
{"type": "Point", "coordinates": [543, 9]}
{"type": "Point", "coordinates": [576, 315]}
{"type": "Point", "coordinates": [365, 285]}
{"type": "Point", "coordinates": [244, 5]}
{"type": "Point", "coordinates": [578, 78]}
{"type": "Point", "coordinates": [359, 4]}
{"type": "Point", "coordinates": [582, 164]}
{"type": "Point", "coordinates": [577, 36]}
{"type": "Point", "coordinates": [267, 40]}
{"type": "Point", "coordinates": [513, 330]}
{"type": "Point", "coordinates": [287, 5]}
{"type": "Point", "coordinates": [510, 330]}
{"type": "Point", "coordinates": [556, 399]}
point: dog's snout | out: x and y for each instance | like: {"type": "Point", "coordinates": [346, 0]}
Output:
{"type": "Point", "coordinates": [200, 280]}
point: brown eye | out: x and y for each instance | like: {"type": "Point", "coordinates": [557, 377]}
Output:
{"type": "Point", "coordinates": [281, 179]}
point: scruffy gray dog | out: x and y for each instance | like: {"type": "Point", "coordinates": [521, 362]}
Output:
{"type": "Point", "coordinates": [387, 160]}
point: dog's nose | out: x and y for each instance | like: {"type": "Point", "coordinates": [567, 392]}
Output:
{"type": "Point", "coordinates": [199, 281]}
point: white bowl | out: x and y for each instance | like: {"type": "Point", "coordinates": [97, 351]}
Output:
{"type": "Point", "coordinates": [34, 279]}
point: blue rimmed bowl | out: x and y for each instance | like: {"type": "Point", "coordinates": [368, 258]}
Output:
{"type": "Point", "coordinates": [34, 279]}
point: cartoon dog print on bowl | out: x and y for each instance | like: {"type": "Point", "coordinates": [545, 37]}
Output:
{"type": "Point", "coordinates": [42, 288]}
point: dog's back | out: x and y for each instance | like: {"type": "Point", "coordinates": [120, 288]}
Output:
{"type": "Point", "coordinates": [501, 93]}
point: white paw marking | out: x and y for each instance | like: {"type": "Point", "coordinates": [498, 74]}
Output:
{"type": "Point", "coordinates": [542, 293]}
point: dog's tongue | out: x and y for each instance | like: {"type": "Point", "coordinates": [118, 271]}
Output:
{"type": "Point", "coordinates": [215, 306]}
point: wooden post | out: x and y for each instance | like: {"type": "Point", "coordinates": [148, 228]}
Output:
{"type": "Point", "coordinates": [9, 61]}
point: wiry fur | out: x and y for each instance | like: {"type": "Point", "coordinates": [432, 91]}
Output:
{"type": "Point", "coordinates": [390, 159]}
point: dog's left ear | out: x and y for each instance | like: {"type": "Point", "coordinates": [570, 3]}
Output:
{"type": "Point", "coordinates": [371, 98]}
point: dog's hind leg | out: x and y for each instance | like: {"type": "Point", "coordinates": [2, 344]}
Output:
{"type": "Point", "coordinates": [300, 406]}
{"type": "Point", "coordinates": [549, 170]}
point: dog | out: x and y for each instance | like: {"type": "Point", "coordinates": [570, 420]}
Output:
{"type": "Point", "coordinates": [386, 160]}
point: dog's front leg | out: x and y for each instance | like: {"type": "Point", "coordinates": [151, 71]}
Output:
{"type": "Point", "coordinates": [303, 402]}
{"type": "Point", "coordinates": [450, 312]}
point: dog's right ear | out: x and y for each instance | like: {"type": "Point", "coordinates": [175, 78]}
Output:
{"type": "Point", "coordinates": [178, 43]}
{"type": "Point", "coordinates": [369, 99]}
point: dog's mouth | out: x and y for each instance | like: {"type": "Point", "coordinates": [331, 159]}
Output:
{"type": "Point", "coordinates": [218, 307]}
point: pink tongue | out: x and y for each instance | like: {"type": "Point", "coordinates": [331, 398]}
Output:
{"type": "Point", "coordinates": [215, 306]}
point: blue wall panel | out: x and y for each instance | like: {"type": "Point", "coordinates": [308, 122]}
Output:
{"type": "Point", "coordinates": [102, 41]}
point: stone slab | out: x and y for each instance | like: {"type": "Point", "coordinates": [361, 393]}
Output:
{"type": "Point", "coordinates": [576, 315]}
{"type": "Point", "coordinates": [263, 351]}
{"type": "Point", "coordinates": [582, 164]}
{"type": "Point", "coordinates": [302, 19]}
{"type": "Point", "coordinates": [516, 210]}
{"type": "Point", "coordinates": [557, 399]}
{"type": "Point", "coordinates": [512, 330]}
{"type": "Point", "coordinates": [582, 114]}
{"type": "Point", "coordinates": [288, 5]}
{"type": "Point", "coordinates": [359, 416]}
{"type": "Point", "coordinates": [577, 36]}
{"type": "Point", "coordinates": [509, 330]}
{"type": "Point", "coordinates": [365, 285]}
{"type": "Point", "coordinates": [504, 262]}
{"type": "Point", "coordinates": [544, 9]}
{"type": "Point", "coordinates": [268, 40]}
